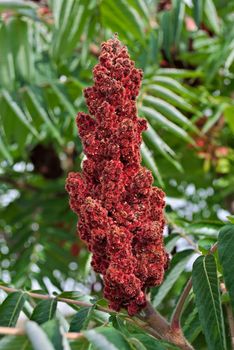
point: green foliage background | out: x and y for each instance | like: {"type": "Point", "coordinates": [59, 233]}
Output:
{"type": "Point", "coordinates": [47, 51]}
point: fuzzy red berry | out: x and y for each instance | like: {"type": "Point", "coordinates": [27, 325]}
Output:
{"type": "Point", "coordinates": [120, 212]}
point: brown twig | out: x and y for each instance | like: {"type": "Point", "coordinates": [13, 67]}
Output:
{"type": "Point", "coordinates": [48, 297]}
{"type": "Point", "coordinates": [163, 328]}
{"type": "Point", "coordinates": [230, 317]}
{"type": "Point", "coordinates": [21, 185]}
{"type": "Point", "coordinates": [214, 248]}
{"type": "Point", "coordinates": [153, 322]}
{"type": "Point", "coordinates": [11, 331]}
{"type": "Point", "coordinates": [33, 295]}
{"type": "Point", "coordinates": [21, 331]}
{"type": "Point", "coordinates": [175, 320]}
{"type": "Point", "coordinates": [171, 332]}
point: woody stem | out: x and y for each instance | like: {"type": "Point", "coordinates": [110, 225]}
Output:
{"type": "Point", "coordinates": [164, 330]}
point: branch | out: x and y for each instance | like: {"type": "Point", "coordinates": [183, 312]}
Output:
{"type": "Point", "coordinates": [20, 185]}
{"type": "Point", "coordinates": [48, 297]}
{"type": "Point", "coordinates": [171, 332]}
{"type": "Point", "coordinates": [163, 328]}
{"type": "Point", "coordinates": [154, 319]}
{"type": "Point", "coordinates": [175, 321]}
{"type": "Point", "coordinates": [230, 317]}
{"type": "Point", "coordinates": [21, 331]}
{"type": "Point", "coordinates": [231, 323]}
{"type": "Point", "coordinates": [142, 325]}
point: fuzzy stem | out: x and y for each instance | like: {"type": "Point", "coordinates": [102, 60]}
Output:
{"type": "Point", "coordinates": [175, 321]}
{"type": "Point", "coordinates": [163, 328]}
{"type": "Point", "coordinates": [21, 331]}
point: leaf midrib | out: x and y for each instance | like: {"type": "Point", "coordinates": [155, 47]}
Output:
{"type": "Point", "coordinates": [14, 311]}
{"type": "Point", "coordinates": [212, 298]}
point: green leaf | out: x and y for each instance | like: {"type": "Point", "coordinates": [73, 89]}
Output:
{"type": "Point", "coordinates": [213, 119]}
{"type": "Point", "coordinates": [43, 114]}
{"type": "Point", "coordinates": [167, 124]}
{"type": "Point", "coordinates": [38, 337]}
{"type": "Point", "coordinates": [151, 343]}
{"type": "Point", "coordinates": [211, 14]}
{"type": "Point", "coordinates": [204, 228]}
{"type": "Point", "coordinates": [10, 309]}
{"type": "Point", "coordinates": [44, 311]}
{"type": "Point", "coordinates": [226, 256]}
{"type": "Point", "coordinates": [15, 5]}
{"type": "Point", "coordinates": [137, 344]}
{"type": "Point", "coordinates": [198, 11]}
{"type": "Point", "coordinates": [228, 115]}
{"type": "Point", "coordinates": [192, 326]}
{"type": "Point", "coordinates": [18, 113]}
{"type": "Point", "coordinates": [125, 16]}
{"type": "Point", "coordinates": [174, 85]}
{"type": "Point", "coordinates": [159, 145]}
{"type": "Point", "coordinates": [205, 244]}
{"type": "Point", "coordinates": [178, 264]}
{"type": "Point", "coordinates": [71, 20]}
{"type": "Point", "coordinates": [231, 219]}
{"type": "Point", "coordinates": [170, 96]}
{"type": "Point", "coordinates": [148, 159]}
{"type": "Point", "coordinates": [179, 11]}
{"type": "Point", "coordinates": [169, 111]}
{"type": "Point", "coordinates": [207, 297]}
{"type": "Point", "coordinates": [75, 296]}
{"type": "Point", "coordinates": [141, 6]}
{"type": "Point", "coordinates": [166, 23]}
{"type": "Point", "coordinates": [107, 339]}
{"type": "Point", "coordinates": [21, 48]}
{"type": "Point", "coordinates": [3, 149]}
{"type": "Point", "coordinates": [80, 320]}
{"type": "Point", "coordinates": [55, 333]}
{"type": "Point", "coordinates": [7, 70]}
{"type": "Point", "coordinates": [170, 242]}
{"type": "Point", "coordinates": [15, 343]}
{"type": "Point", "coordinates": [64, 100]}
{"type": "Point", "coordinates": [180, 73]}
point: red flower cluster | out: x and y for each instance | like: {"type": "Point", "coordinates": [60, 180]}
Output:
{"type": "Point", "coordinates": [120, 213]}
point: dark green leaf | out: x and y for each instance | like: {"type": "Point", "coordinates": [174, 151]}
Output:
{"type": "Point", "coordinates": [150, 163]}
{"type": "Point", "coordinates": [15, 343]}
{"type": "Point", "coordinates": [167, 124]}
{"type": "Point", "coordinates": [44, 311]}
{"type": "Point", "coordinates": [15, 5]}
{"type": "Point", "coordinates": [226, 256]}
{"type": "Point", "coordinates": [80, 320]}
{"type": "Point", "coordinates": [177, 267]}
{"type": "Point", "coordinates": [169, 111]}
{"type": "Point", "coordinates": [207, 297]}
{"type": "Point", "coordinates": [55, 333]}
{"type": "Point", "coordinates": [10, 308]}
{"type": "Point", "coordinates": [107, 339]}
{"type": "Point", "coordinates": [211, 13]}
{"type": "Point", "coordinates": [16, 110]}
{"type": "Point", "coordinates": [198, 11]}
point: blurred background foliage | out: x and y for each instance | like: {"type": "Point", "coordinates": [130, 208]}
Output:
{"type": "Point", "coordinates": [47, 51]}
